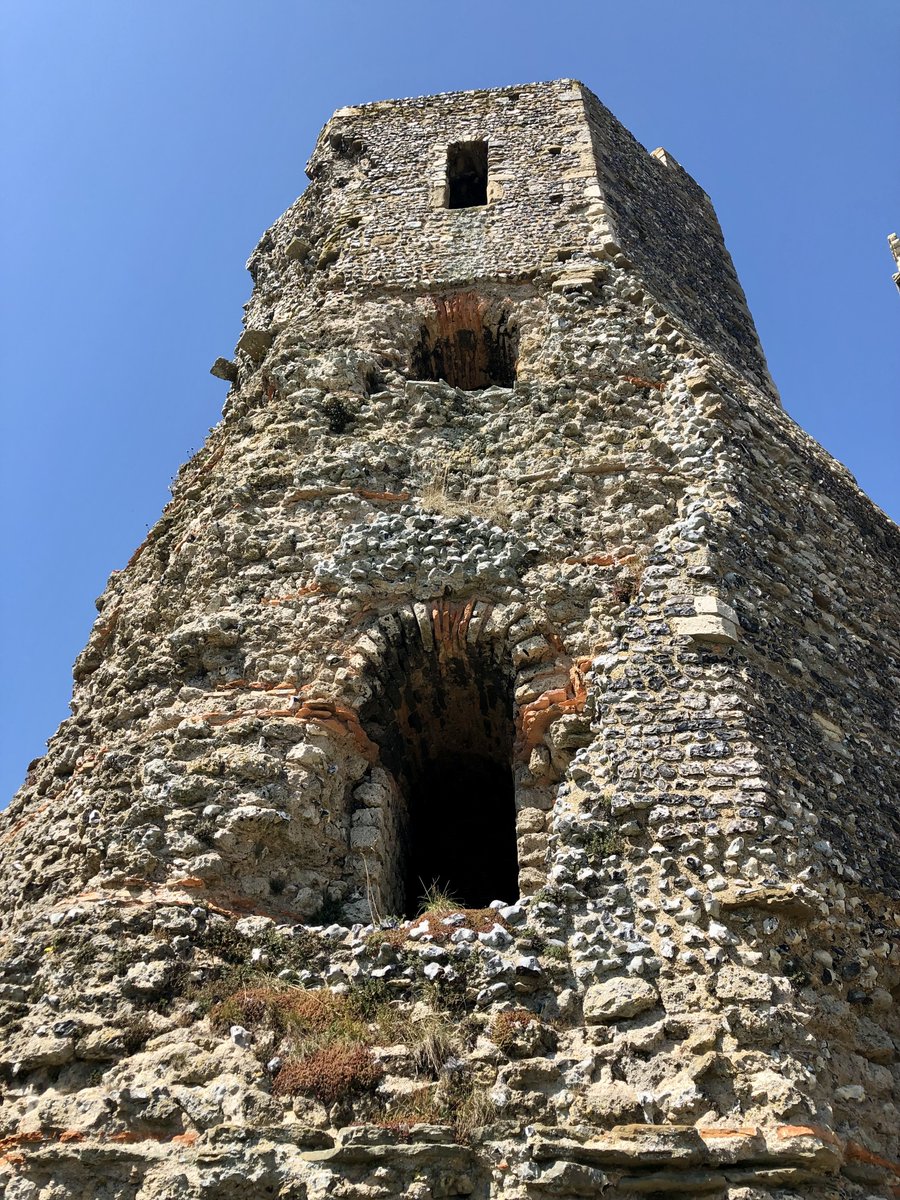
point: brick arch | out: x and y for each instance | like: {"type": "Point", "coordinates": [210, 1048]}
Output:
{"type": "Point", "coordinates": [469, 340]}
{"type": "Point", "coordinates": [465, 691]}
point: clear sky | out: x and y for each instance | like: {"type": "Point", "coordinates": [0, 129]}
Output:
{"type": "Point", "coordinates": [147, 144]}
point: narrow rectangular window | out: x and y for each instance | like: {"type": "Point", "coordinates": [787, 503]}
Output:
{"type": "Point", "coordinates": [467, 171]}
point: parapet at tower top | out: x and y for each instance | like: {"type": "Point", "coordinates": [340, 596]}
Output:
{"type": "Point", "coordinates": [510, 186]}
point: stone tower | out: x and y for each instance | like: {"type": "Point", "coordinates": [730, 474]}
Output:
{"type": "Point", "coordinates": [483, 779]}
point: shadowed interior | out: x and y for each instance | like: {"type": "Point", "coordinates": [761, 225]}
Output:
{"type": "Point", "coordinates": [462, 831]}
{"type": "Point", "coordinates": [467, 175]}
{"type": "Point", "coordinates": [443, 720]}
{"type": "Point", "coordinates": [469, 341]}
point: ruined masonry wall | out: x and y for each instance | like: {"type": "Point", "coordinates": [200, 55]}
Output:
{"type": "Point", "coordinates": [693, 608]}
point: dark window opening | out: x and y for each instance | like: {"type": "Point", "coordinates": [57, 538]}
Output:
{"type": "Point", "coordinates": [467, 172]}
{"type": "Point", "coordinates": [443, 720]}
{"type": "Point", "coordinates": [469, 342]}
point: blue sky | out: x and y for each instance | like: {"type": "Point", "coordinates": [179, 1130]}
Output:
{"type": "Point", "coordinates": [146, 147]}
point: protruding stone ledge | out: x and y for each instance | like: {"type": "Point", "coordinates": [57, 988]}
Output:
{"type": "Point", "coordinates": [681, 1147]}
{"type": "Point", "coordinates": [579, 276]}
{"type": "Point", "coordinates": [428, 1145]}
{"type": "Point", "coordinates": [224, 368]}
{"type": "Point", "coordinates": [714, 622]}
{"type": "Point", "coordinates": [792, 901]}
{"type": "Point", "coordinates": [255, 342]}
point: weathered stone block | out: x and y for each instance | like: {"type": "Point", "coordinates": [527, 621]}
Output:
{"type": "Point", "coordinates": [224, 368]}
{"type": "Point", "coordinates": [743, 985]}
{"type": "Point", "coordinates": [707, 628]}
{"type": "Point", "coordinates": [254, 343]}
{"type": "Point", "coordinates": [568, 1179]}
{"type": "Point", "coordinates": [618, 999]}
{"type": "Point", "coordinates": [146, 979]}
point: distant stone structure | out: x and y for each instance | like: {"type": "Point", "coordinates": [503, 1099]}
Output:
{"type": "Point", "coordinates": [483, 780]}
{"type": "Point", "coordinates": [894, 244]}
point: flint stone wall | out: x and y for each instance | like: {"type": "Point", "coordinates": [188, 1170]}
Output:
{"type": "Point", "coordinates": [566, 184]}
{"type": "Point", "coordinates": [695, 605]}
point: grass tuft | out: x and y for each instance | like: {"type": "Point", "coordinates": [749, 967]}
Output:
{"type": "Point", "coordinates": [306, 1016]}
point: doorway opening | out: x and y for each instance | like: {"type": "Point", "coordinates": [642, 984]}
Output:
{"type": "Point", "coordinates": [443, 718]}
{"type": "Point", "coordinates": [461, 832]}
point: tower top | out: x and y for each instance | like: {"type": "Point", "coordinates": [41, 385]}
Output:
{"type": "Point", "coordinates": [534, 183]}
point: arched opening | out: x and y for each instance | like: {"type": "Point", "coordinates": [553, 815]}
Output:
{"type": "Point", "coordinates": [442, 715]}
{"type": "Point", "coordinates": [468, 341]}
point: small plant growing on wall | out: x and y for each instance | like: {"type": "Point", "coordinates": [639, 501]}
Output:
{"type": "Point", "coordinates": [601, 843]}
{"type": "Point", "coordinates": [336, 1072]}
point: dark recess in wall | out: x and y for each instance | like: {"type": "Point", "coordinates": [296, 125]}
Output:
{"type": "Point", "coordinates": [443, 720]}
{"type": "Point", "coordinates": [469, 341]}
